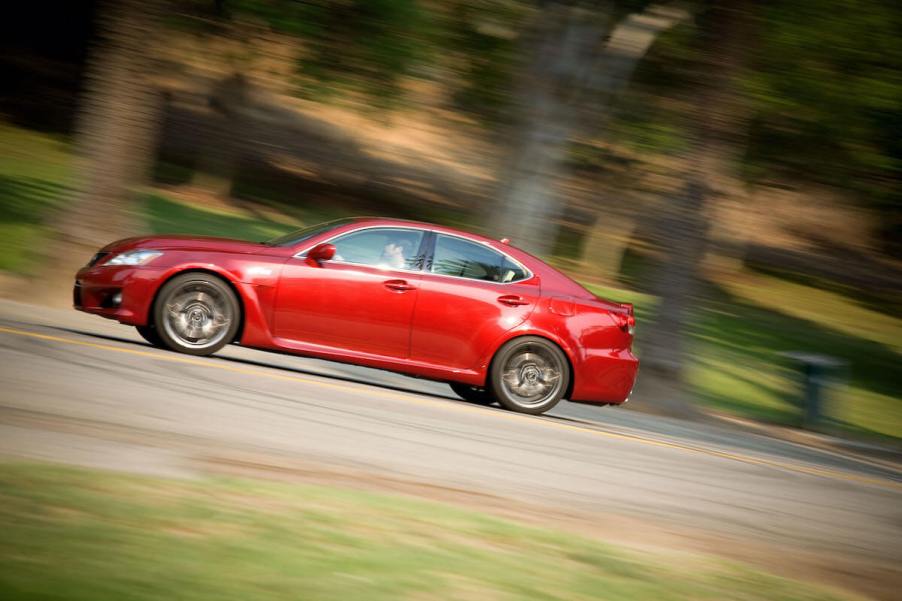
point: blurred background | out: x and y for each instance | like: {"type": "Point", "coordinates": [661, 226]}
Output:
{"type": "Point", "coordinates": [730, 167]}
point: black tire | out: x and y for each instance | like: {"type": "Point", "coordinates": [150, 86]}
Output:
{"type": "Point", "coordinates": [472, 394]}
{"type": "Point", "coordinates": [150, 334]}
{"type": "Point", "coordinates": [529, 375]}
{"type": "Point", "coordinates": [196, 313]}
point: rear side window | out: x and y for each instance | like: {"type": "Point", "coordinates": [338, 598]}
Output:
{"type": "Point", "coordinates": [380, 247]}
{"type": "Point", "coordinates": [512, 272]}
{"type": "Point", "coordinates": [465, 259]}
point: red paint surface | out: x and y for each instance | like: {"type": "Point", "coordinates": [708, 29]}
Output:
{"type": "Point", "coordinates": [416, 322]}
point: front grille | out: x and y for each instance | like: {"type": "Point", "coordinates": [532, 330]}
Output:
{"type": "Point", "coordinates": [96, 258]}
{"type": "Point", "coordinates": [76, 295]}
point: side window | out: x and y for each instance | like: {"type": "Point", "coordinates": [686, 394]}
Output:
{"type": "Point", "coordinates": [512, 272]}
{"type": "Point", "coordinates": [454, 256]}
{"type": "Point", "coordinates": [380, 247]}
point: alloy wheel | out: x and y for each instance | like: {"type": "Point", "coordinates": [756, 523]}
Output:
{"type": "Point", "coordinates": [529, 374]}
{"type": "Point", "coordinates": [532, 375]}
{"type": "Point", "coordinates": [197, 314]}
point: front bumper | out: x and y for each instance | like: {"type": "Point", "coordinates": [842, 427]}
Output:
{"type": "Point", "coordinates": [123, 293]}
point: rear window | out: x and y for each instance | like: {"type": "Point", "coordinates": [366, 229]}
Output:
{"type": "Point", "coordinates": [512, 272]}
{"type": "Point", "coordinates": [461, 258]}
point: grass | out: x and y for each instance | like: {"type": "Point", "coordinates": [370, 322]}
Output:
{"type": "Point", "coordinates": [165, 215]}
{"type": "Point", "coordinates": [738, 338]}
{"type": "Point", "coordinates": [34, 174]}
{"type": "Point", "coordinates": [747, 325]}
{"type": "Point", "coordinates": [76, 534]}
{"type": "Point", "coordinates": [752, 322]}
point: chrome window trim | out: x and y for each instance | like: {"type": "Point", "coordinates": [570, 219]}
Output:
{"type": "Point", "coordinates": [303, 254]}
{"type": "Point", "coordinates": [529, 274]}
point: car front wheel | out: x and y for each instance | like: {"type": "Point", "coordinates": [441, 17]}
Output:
{"type": "Point", "coordinates": [196, 313]}
{"type": "Point", "coordinates": [529, 375]}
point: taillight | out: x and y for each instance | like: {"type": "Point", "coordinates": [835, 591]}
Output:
{"type": "Point", "coordinates": [627, 321]}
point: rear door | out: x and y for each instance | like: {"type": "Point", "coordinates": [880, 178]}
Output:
{"type": "Point", "coordinates": [470, 294]}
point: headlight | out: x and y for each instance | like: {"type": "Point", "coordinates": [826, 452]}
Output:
{"type": "Point", "coordinates": [134, 257]}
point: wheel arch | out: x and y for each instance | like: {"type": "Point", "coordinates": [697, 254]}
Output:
{"type": "Point", "coordinates": [242, 309]}
{"type": "Point", "coordinates": [533, 334]}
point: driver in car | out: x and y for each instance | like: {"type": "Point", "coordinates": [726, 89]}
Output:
{"type": "Point", "coordinates": [395, 254]}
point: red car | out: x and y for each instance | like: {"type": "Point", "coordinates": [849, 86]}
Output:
{"type": "Point", "coordinates": [494, 322]}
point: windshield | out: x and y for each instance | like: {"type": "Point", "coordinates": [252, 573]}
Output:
{"type": "Point", "coordinates": [298, 236]}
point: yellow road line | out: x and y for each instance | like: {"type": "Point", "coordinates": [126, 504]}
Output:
{"type": "Point", "coordinates": [414, 397]}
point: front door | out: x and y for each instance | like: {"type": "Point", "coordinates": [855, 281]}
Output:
{"type": "Point", "coordinates": [362, 300]}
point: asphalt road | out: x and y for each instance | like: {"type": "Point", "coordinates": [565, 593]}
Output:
{"type": "Point", "coordinates": [79, 389]}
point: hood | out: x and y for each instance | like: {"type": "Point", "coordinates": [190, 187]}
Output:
{"type": "Point", "coordinates": [196, 243]}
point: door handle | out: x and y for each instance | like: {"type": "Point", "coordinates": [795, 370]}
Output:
{"type": "Point", "coordinates": [398, 285]}
{"type": "Point", "coordinates": [512, 300]}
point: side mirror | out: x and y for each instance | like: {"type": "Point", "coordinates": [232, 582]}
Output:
{"type": "Point", "coordinates": [320, 253]}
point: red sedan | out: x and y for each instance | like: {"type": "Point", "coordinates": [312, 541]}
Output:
{"type": "Point", "coordinates": [494, 322]}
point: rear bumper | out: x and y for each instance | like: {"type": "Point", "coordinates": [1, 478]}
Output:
{"type": "Point", "coordinates": [120, 293]}
{"type": "Point", "coordinates": [605, 377]}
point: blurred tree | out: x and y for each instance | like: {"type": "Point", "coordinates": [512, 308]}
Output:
{"type": "Point", "coordinates": [789, 91]}
{"type": "Point", "coordinates": [363, 47]}
{"type": "Point", "coordinates": [365, 43]}
{"type": "Point", "coordinates": [826, 91]}
{"type": "Point", "coordinates": [609, 236]}
{"type": "Point", "coordinates": [228, 129]}
{"type": "Point", "coordinates": [822, 89]}
{"type": "Point", "coordinates": [718, 120]}
{"type": "Point", "coordinates": [116, 126]}
{"type": "Point", "coordinates": [577, 58]}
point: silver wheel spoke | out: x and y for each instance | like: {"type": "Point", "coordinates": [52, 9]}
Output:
{"type": "Point", "coordinates": [197, 314]}
{"type": "Point", "coordinates": [532, 375]}
{"type": "Point", "coordinates": [550, 376]}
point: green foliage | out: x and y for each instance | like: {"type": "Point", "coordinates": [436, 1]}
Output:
{"type": "Point", "coordinates": [34, 176]}
{"type": "Point", "coordinates": [368, 45]}
{"type": "Point", "coordinates": [487, 49]}
{"type": "Point", "coordinates": [821, 84]}
{"type": "Point", "coordinates": [482, 39]}
{"type": "Point", "coordinates": [166, 216]}
{"type": "Point", "coordinates": [826, 90]}
{"type": "Point", "coordinates": [650, 117]}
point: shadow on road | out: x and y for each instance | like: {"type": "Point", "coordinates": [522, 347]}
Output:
{"type": "Point", "coordinates": [321, 374]}
{"type": "Point", "coordinates": [351, 379]}
{"type": "Point", "coordinates": [266, 365]}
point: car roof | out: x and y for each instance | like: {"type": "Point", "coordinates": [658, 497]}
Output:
{"type": "Point", "coordinates": [389, 221]}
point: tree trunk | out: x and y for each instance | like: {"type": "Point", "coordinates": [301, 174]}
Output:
{"type": "Point", "coordinates": [567, 88]}
{"type": "Point", "coordinates": [561, 52]}
{"type": "Point", "coordinates": [605, 245]}
{"type": "Point", "coordinates": [117, 125]}
{"type": "Point", "coordinates": [216, 168]}
{"type": "Point", "coordinates": [684, 222]}
{"type": "Point", "coordinates": [629, 42]}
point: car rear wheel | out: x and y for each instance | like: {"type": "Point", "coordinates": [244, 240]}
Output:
{"type": "Point", "coordinates": [473, 394]}
{"type": "Point", "coordinates": [150, 334]}
{"type": "Point", "coordinates": [196, 313]}
{"type": "Point", "coordinates": [529, 375]}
